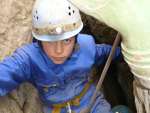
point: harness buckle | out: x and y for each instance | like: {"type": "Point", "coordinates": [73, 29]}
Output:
{"type": "Point", "coordinates": [68, 108]}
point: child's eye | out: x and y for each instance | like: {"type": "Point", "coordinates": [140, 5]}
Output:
{"type": "Point", "coordinates": [67, 41]}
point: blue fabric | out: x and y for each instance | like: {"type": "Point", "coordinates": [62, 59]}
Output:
{"type": "Point", "coordinates": [56, 83]}
{"type": "Point", "coordinates": [100, 106]}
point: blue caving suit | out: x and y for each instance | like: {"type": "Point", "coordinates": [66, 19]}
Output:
{"type": "Point", "coordinates": [63, 81]}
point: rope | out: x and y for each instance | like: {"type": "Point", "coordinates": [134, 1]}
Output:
{"type": "Point", "coordinates": [108, 62]}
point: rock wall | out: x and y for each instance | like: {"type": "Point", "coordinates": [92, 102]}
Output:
{"type": "Point", "coordinates": [15, 30]}
{"type": "Point", "coordinates": [15, 24]}
{"type": "Point", "coordinates": [24, 99]}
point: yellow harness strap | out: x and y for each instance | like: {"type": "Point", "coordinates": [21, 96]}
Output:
{"type": "Point", "coordinates": [56, 110]}
{"type": "Point", "coordinates": [74, 102]}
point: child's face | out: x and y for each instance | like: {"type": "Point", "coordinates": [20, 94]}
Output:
{"type": "Point", "coordinates": [59, 51]}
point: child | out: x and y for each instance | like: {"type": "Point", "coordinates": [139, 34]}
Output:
{"type": "Point", "coordinates": [59, 63]}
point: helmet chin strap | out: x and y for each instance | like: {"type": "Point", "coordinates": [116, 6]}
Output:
{"type": "Point", "coordinates": [103, 74]}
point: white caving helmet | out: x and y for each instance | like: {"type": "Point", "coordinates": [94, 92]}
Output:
{"type": "Point", "coordinates": [55, 20]}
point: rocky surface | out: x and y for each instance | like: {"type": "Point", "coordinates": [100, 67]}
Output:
{"type": "Point", "coordinates": [15, 30]}
{"type": "Point", "coordinates": [15, 24]}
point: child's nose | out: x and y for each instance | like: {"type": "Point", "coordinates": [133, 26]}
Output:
{"type": "Point", "coordinates": [59, 47]}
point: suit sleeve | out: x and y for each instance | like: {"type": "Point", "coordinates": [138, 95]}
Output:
{"type": "Point", "coordinates": [14, 70]}
{"type": "Point", "coordinates": [102, 53]}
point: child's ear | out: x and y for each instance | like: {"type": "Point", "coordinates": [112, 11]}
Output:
{"type": "Point", "coordinates": [76, 47]}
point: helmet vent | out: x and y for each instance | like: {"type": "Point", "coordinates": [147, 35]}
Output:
{"type": "Point", "coordinates": [69, 7]}
{"type": "Point", "coordinates": [69, 13]}
{"type": "Point", "coordinates": [37, 17]}
{"type": "Point", "coordinates": [73, 11]}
